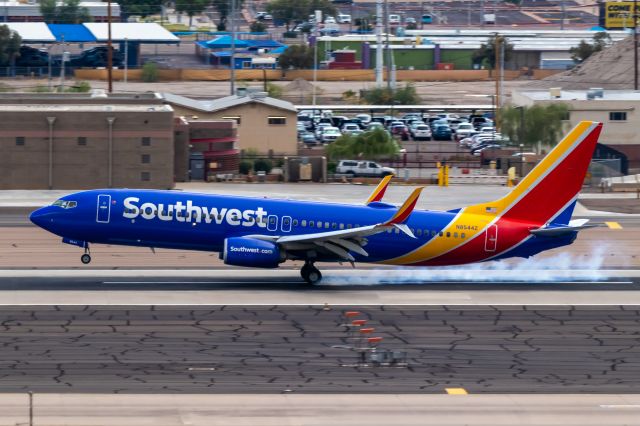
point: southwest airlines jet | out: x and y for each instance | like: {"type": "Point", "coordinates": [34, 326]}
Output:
{"type": "Point", "coordinates": [263, 233]}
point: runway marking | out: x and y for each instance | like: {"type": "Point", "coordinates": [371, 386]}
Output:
{"type": "Point", "coordinates": [620, 406]}
{"type": "Point", "coordinates": [456, 391]}
{"type": "Point", "coordinates": [613, 225]}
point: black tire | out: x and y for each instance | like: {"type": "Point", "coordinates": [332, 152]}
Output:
{"type": "Point", "coordinates": [313, 276]}
{"type": "Point", "coordinates": [85, 258]}
{"type": "Point", "coordinates": [351, 174]}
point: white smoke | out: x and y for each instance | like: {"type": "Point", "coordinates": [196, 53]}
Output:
{"type": "Point", "coordinates": [550, 268]}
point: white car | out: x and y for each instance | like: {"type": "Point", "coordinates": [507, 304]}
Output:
{"type": "Point", "coordinates": [364, 118]}
{"type": "Point", "coordinates": [421, 132]}
{"type": "Point", "coordinates": [464, 130]}
{"type": "Point", "coordinates": [330, 134]}
{"type": "Point", "coordinates": [344, 18]}
{"type": "Point", "coordinates": [329, 20]}
{"type": "Point", "coordinates": [363, 168]}
{"type": "Point", "coordinates": [394, 20]}
{"type": "Point", "coordinates": [350, 128]}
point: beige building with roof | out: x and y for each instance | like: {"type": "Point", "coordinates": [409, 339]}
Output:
{"type": "Point", "coordinates": [265, 124]}
{"type": "Point", "coordinates": [617, 109]}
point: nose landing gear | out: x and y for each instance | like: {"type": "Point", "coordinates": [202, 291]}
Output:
{"type": "Point", "coordinates": [310, 273]}
{"type": "Point", "coordinates": [86, 257]}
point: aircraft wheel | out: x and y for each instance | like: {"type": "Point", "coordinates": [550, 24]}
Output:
{"type": "Point", "coordinates": [310, 274]}
{"type": "Point", "coordinates": [85, 258]}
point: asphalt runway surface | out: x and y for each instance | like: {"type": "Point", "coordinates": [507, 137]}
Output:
{"type": "Point", "coordinates": [305, 349]}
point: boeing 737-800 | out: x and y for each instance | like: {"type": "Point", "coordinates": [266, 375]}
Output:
{"type": "Point", "coordinates": [263, 233]}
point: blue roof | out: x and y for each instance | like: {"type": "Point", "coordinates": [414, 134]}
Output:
{"type": "Point", "coordinates": [264, 44]}
{"type": "Point", "coordinates": [222, 42]}
{"type": "Point", "coordinates": [280, 49]}
{"type": "Point", "coordinates": [76, 33]}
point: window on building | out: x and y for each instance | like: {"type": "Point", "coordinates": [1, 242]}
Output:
{"type": "Point", "coordinates": [145, 176]}
{"type": "Point", "coordinates": [236, 118]}
{"type": "Point", "coordinates": [19, 140]}
{"type": "Point", "coordinates": [617, 116]}
{"type": "Point", "coordinates": [82, 141]}
{"type": "Point", "coordinates": [278, 121]}
{"type": "Point", "coordinates": [145, 158]}
{"type": "Point", "coordinates": [146, 141]}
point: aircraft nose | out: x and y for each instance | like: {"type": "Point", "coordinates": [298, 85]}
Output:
{"type": "Point", "coordinates": [41, 216]}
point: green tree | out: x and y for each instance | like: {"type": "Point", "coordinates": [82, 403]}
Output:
{"type": "Point", "coordinates": [584, 50]}
{"type": "Point", "coordinates": [224, 10]}
{"type": "Point", "coordinates": [486, 54]}
{"type": "Point", "coordinates": [150, 72]}
{"type": "Point", "coordinates": [291, 11]}
{"type": "Point", "coordinates": [191, 8]}
{"type": "Point", "coordinates": [296, 56]}
{"type": "Point", "coordinates": [372, 145]}
{"type": "Point", "coordinates": [67, 12]}
{"type": "Point", "coordinates": [139, 7]}
{"type": "Point", "coordinates": [406, 95]}
{"type": "Point", "coordinates": [542, 124]}
{"type": "Point", "coordinates": [9, 46]}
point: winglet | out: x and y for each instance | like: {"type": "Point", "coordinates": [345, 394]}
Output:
{"type": "Point", "coordinates": [378, 193]}
{"type": "Point", "coordinates": [406, 209]}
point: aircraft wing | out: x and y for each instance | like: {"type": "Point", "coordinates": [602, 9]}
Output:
{"type": "Point", "coordinates": [341, 242]}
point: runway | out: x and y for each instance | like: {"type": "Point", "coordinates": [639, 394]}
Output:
{"type": "Point", "coordinates": [305, 349]}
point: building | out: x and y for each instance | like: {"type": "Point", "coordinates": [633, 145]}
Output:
{"type": "Point", "coordinates": [617, 109]}
{"type": "Point", "coordinates": [426, 49]}
{"type": "Point", "coordinates": [81, 141]}
{"type": "Point", "coordinates": [205, 149]}
{"type": "Point", "coordinates": [265, 124]}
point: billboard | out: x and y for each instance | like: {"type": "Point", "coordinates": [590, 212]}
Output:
{"type": "Point", "coordinates": [619, 14]}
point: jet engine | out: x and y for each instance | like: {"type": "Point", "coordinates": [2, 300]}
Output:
{"type": "Point", "coordinates": [251, 252]}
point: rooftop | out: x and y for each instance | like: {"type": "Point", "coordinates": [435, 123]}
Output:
{"type": "Point", "coordinates": [227, 102]}
{"type": "Point", "coordinates": [85, 108]}
{"type": "Point", "coordinates": [581, 95]}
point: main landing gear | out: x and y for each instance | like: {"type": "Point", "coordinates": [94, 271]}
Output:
{"type": "Point", "coordinates": [310, 273]}
{"type": "Point", "coordinates": [86, 257]}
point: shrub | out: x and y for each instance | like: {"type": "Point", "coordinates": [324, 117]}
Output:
{"type": "Point", "coordinates": [150, 72]}
{"type": "Point", "coordinates": [245, 167]}
{"type": "Point", "coordinates": [263, 165]}
{"type": "Point", "coordinates": [257, 27]}
{"type": "Point", "coordinates": [80, 87]}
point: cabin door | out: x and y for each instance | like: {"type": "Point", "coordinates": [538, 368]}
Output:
{"type": "Point", "coordinates": [491, 238]}
{"type": "Point", "coordinates": [104, 208]}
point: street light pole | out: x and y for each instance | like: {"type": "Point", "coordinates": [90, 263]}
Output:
{"type": "Point", "coordinates": [232, 58]}
{"type": "Point", "coordinates": [126, 59]}
{"type": "Point", "coordinates": [635, 44]}
{"type": "Point", "coordinates": [109, 49]}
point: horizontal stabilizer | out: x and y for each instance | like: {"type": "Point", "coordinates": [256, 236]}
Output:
{"type": "Point", "coordinates": [559, 231]}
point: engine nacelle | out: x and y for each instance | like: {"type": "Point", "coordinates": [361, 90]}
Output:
{"type": "Point", "coordinates": [243, 251]}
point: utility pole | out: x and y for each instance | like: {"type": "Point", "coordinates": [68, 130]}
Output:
{"type": "Point", "coordinates": [496, 69]}
{"type": "Point", "coordinates": [316, 34]}
{"type": "Point", "coordinates": [563, 15]}
{"type": "Point", "coordinates": [482, 13]}
{"type": "Point", "coordinates": [379, 43]}
{"type": "Point", "coordinates": [109, 49]}
{"type": "Point", "coordinates": [232, 58]}
{"type": "Point", "coordinates": [388, 47]}
{"type": "Point", "coordinates": [635, 44]}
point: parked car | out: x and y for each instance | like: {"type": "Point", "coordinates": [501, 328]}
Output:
{"type": "Point", "coordinates": [330, 134]}
{"type": "Point", "coordinates": [374, 125]}
{"type": "Point", "coordinates": [97, 57]}
{"type": "Point", "coordinates": [364, 118]}
{"type": "Point", "coordinates": [320, 128]}
{"type": "Point", "coordinates": [422, 132]}
{"type": "Point", "coordinates": [308, 138]}
{"type": "Point", "coordinates": [464, 130]}
{"type": "Point", "coordinates": [442, 132]}
{"type": "Point", "coordinates": [31, 57]}
{"type": "Point", "coordinates": [410, 20]}
{"type": "Point", "coordinates": [264, 16]}
{"type": "Point", "coordinates": [394, 20]}
{"type": "Point", "coordinates": [329, 20]}
{"type": "Point", "coordinates": [343, 18]}
{"type": "Point", "coordinates": [363, 168]}
{"type": "Point", "coordinates": [349, 128]}
{"type": "Point", "coordinates": [400, 130]}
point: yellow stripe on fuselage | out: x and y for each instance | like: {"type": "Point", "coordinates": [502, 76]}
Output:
{"type": "Point", "coordinates": [473, 220]}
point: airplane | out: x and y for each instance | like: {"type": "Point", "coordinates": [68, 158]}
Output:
{"type": "Point", "coordinates": [263, 233]}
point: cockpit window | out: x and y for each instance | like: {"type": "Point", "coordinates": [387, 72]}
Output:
{"type": "Point", "coordinates": [65, 204]}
